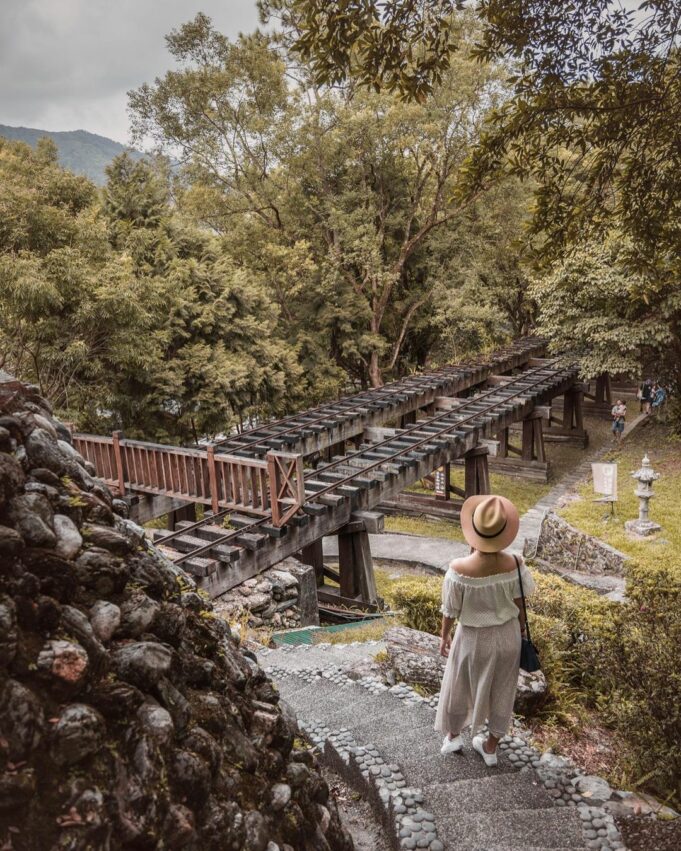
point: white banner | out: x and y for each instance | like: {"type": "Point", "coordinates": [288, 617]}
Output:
{"type": "Point", "coordinates": [605, 480]}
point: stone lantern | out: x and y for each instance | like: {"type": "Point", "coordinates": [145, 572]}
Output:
{"type": "Point", "coordinates": [645, 477]}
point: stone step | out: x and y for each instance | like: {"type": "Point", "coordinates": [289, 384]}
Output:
{"type": "Point", "coordinates": [515, 848]}
{"type": "Point", "coordinates": [324, 655]}
{"type": "Point", "coordinates": [419, 756]}
{"type": "Point", "coordinates": [545, 829]}
{"type": "Point", "coordinates": [364, 718]}
{"type": "Point", "coordinates": [342, 705]}
{"type": "Point", "coordinates": [498, 793]}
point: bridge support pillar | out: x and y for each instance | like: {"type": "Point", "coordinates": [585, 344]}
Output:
{"type": "Point", "coordinates": [533, 438]}
{"type": "Point", "coordinates": [571, 429]}
{"type": "Point", "coordinates": [186, 512]}
{"type": "Point", "coordinates": [313, 554]}
{"type": "Point", "coordinates": [600, 401]}
{"type": "Point", "coordinates": [335, 449]}
{"type": "Point", "coordinates": [356, 567]}
{"type": "Point", "coordinates": [573, 411]}
{"type": "Point", "coordinates": [476, 472]}
{"type": "Point", "coordinates": [408, 419]}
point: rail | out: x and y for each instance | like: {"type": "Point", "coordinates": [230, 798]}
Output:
{"type": "Point", "coordinates": [447, 425]}
{"type": "Point", "coordinates": [271, 487]}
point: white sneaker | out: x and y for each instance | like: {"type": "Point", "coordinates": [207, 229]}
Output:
{"type": "Point", "coordinates": [451, 745]}
{"type": "Point", "coordinates": [490, 758]}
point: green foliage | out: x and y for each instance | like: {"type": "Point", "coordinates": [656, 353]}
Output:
{"type": "Point", "coordinates": [418, 599]}
{"type": "Point", "coordinates": [125, 315]}
{"type": "Point", "coordinates": [400, 45]}
{"type": "Point", "coordinates": [599, 311]}
{"type": "Point", "coordinates": [349, 196]}
{"type": "Point", "coordinates": [72, 312]}
{"type": "Point", "coordinates": [591, 120]}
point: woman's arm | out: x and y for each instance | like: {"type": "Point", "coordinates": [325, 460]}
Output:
{"type": "Point", "coordinates": [521, 614]}
{"type": "Point", "coordinates": [446, 635]}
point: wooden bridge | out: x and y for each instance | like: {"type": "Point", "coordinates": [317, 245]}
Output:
{"type": "Point", "coordinates": [281, 488]}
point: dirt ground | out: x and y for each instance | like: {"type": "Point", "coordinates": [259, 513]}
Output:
{"type": "Point", "coordinates": [644, 834]}
{"type": "Point", "coordinates": [357, 815]}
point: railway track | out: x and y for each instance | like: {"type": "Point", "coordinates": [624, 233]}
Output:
{"type": "Point", "coordinates": [222, 558]}
{"type": "Point", "coordinates": [318, 428]}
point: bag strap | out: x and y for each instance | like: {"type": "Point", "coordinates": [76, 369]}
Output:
{"type": "Point", "coordinates": [522, 596]}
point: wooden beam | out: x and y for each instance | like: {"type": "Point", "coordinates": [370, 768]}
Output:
{"type": "Point", "coordinates": [448, 403]}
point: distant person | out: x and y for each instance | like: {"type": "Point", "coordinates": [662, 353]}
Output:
{"type": "Point", "coordinates": [659, 397]}
{"type": "Point", "coordinates": [619, 415]}
{"type": "Point", "coordinates": [646, 395]}
{"type": "Point", "coordinates": [483, 591]}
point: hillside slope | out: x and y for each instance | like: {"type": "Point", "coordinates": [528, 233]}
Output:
{"type": "Point", "coordinates": [82, 152]}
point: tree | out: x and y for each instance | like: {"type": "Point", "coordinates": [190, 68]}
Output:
{"type": "Point", "coordinates": [217, 356]}
{"type": "Point", "coordinates": [71, 312]}
{"type": "Point", "coordinates": [124, 315]}
{"type": "Point", "coordinates": [593, 116]}
{"type": "Point", "coordinates": [597, 310]}
{"type": "Point", "coordinates": [351, 185]}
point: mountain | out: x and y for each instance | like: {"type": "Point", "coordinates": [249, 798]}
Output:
{"type": "Point", "coordinates": [80, 151]}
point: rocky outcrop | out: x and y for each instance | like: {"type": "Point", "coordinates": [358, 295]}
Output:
{"type": "Point", "coordinates": [282, 597]}
{"type": "Point", "coordinates": [414, 657]}
{"type": "Point", "coordinates": [564, 547]}
{"type": "Point", "coordinates": [129, 718]}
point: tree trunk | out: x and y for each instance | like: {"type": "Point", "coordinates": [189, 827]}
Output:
{"type": "Point", "coordinates": [375, 370]}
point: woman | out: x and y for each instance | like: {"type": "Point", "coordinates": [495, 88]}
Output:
{"type": "Point", "coordinates": [646, 391]}
{"type": "Point", "coordinates": [483, 592]}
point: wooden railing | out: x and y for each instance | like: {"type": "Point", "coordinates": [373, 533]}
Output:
{"type": "Point", "coordinates": [274, 485]}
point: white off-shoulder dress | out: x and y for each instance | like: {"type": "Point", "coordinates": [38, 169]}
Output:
{"type": "Point", "coordinates": [481, 675]}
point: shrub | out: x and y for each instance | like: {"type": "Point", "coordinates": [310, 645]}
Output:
{"type": "Point", "coordinates": [418, 599]}
{"type": "Point", "coordinates": [623, 659]}
{"type": "Point", "coordinates": [642, 666]}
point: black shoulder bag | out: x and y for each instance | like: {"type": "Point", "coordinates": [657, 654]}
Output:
{"type": "Point", "coordinates": [529, 658]}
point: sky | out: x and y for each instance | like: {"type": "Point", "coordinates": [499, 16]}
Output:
{"type": "Point", "coordinates": [68, 64]}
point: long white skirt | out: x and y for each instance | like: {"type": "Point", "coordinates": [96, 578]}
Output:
{"type": "Point", "coordinates": [480, 679]}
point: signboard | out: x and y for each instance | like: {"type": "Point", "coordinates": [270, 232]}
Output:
{"type": "Point", "coordinates": [440, 482]}
{"type": "Point", "coordinates": [605, 481]}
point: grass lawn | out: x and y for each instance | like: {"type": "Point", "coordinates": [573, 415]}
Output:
{"type": "Point", "coordinates": [522, 492]}
{"type": "Point", "coordinates": [665, 507]}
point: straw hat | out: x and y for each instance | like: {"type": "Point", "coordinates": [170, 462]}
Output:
{"type": "Point", "coordinates": [489, 523]}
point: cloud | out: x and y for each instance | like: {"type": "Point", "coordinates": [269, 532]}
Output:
{"type": "Point", "coordinates": [67, 64]}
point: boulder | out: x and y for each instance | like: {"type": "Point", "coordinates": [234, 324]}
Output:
{"type": "Point", "coordinates": [78, 732]}
{"type": "Point", "coordinates": [8, 630]}
{"type": "Point", "coordinates": [107, 538]}
{"type": "Point", "coordinates": [596, 789]}
{"type": "Point", "coordinates": [415, 658]}
{"type": "Point", "coordinates": [66, 661]}
{"type": "Point", "coordinates": [142, 662]}
{"type": "Point", "coordinates": [69, 539]}
{"type": "Point", "coordinates": [11, 478]}
{"type": "Point", "coordinates": [22, 721]}
{"type": "Point", "coordinates": [11, 542]}
{"type": "Point", "coordinates": [104, 618]}
{"type": "Point", "coordinates": [32, 516]}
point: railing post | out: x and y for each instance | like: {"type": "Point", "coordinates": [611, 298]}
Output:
{"type": "Point", "coordinates": [118, 458]}
{"type": "Point", "coordinates": [286, 480]}
{"type": "Point", "coordinates": [213, 479]}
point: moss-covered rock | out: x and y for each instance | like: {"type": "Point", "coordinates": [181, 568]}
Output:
{"type": "Point", "coordinates": [129, 718]}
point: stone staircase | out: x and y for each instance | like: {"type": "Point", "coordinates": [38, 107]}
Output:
{"type": "Point", "coordinates": [382, 741]}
